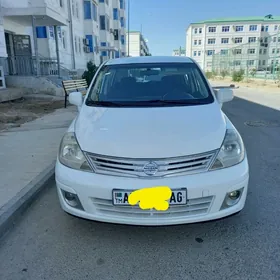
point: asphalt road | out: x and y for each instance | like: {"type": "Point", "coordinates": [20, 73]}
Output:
{"type": "Point", "coordinates": [49, 244]}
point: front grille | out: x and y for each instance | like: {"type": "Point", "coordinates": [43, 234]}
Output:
{"type": "Point", "coordinates": [196, 206]}
{"type": "Point", "coordinates": [165, 167]}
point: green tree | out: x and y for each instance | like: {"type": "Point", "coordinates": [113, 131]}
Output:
{"type": "Point", "coordinates": [90, 72]}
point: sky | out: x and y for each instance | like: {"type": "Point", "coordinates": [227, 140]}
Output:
{"type": "Point", "coordinates": [164, 22]}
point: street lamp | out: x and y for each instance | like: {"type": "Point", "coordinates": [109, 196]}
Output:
{"type": "Point", "coordinates": [128, 23]}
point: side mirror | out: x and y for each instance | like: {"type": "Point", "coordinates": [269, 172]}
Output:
{"type": "Point", "coordinates": [224, 95]}
{"type": "Point", "coordinates": [76, 98]}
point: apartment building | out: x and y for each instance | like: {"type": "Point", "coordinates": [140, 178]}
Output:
{"type": "Point", "coordinates": [44, 32]}
{"type": "Point", "coordinates": [245, 42]}
{"type": "Point", "coordinates": [179, 52]}
{"type": "Point", "coordinates": [136, 45]}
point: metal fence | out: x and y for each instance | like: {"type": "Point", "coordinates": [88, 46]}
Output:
{"type": "Point", "coordinates": [259, 58]}
{"type": "Point", "coordinates": [27, 66]}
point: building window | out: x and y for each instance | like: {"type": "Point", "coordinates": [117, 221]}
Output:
{"type": "Point", "coordinates": [199, 53]}
{"type": "Point", "coordinates": [122, 21]}
{"type": "Point", "coordinates": [238, 40]}
{"type": "Point", "coordinates": [273, 50]}
{"type": "Point", "coordinates": [41, 32]}
{"type": "Point", "coordinates": [278, 39]}
{"type": "Point", "coordinates": [239, 28]}
{"type": "Point", "coordinates": [107, 23]}
{"type": "Point", "coordinates": [103, 44]}
{"type": "Point", "coordinates": [260, 51]}
{"type": "Point", "coordinates": [194, 53]}
{"type": "Point", "coordinates": [73, 7]}
{"type": "Point", "coordinates": [250, 62]}
{"type": "Point", "coordinates": [264, 51]}
{"type": "Point", "coordinates": [104, 53]}
{"type": "Point", "coordinates": [115, 14]}
{"type": "Point", "coordinates": [224, 40]}
{"type": "Point", "coordinates": [265, 28]}
{"type": "Point", "coordinates": [263, 62]}
{"type": "Point", "coordinates": [199, 42]}
{"type": "Point", "coordinates": [278, 50]}
{"type": "Point", "coordinates": [237, 51]}
{"type": "Point", "coordinates": [61, 3]}
{"type": "Point", "coordinates": [117, 54]}
{"type": "Point", "coordinates": [265, 39]}
{"type": "Point", "coordinates": [253, 27]}
{"type": "Point", "coordinates": [90, 40]}
{"type": "Point", "coordinates": [63, 37]}
{"type": "Point", "coordinates": [275, 27]}
{"type": "Point", "coordinates": [195, 42]}
{"type": "Point", "coordinates": [77, 10]}
{"type": "Point", "coordinates": [251, 51]}
{"type": "Point", "coordinates": [102, 23]}
{"type": "Point", "coordinates": [101, 1]}
{"type": "Point", "coordinates": [237, 62]}
{"type": "Point", "coordinates": [210, 52]}
{"type": "Point", "coordinates": [200, 30]}
{"type": "Point", "coordinates": [87, 10]}
{"type": "Point", "coordinates": [211, 41]}
{"type": "Point", "coordinates": [274, 39]}
{"type": "Point", "coordinates": [80, 46]}
{"type": "Point", "coordinates": [122, 4]}
{"type": "Point", "coordinates": [122, 39]}
{"type": "Point", "coordinates": [225, 29]}
{"type": "Point", "coordinates": [212, 29]}
{"type": "Point", "coordinates": [195, 31]}
{"type": "Point", "coordinates": [76, 45]}
{"type": "Point", "coordinates": [94, 12]}
{"type": "Point", "coordinates": [224, 52]}
{"type": "Point", "coordinates": [252, 39]}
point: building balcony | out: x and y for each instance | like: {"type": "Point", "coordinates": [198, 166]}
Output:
{"type": "Point", "coordinates": [46, 12]}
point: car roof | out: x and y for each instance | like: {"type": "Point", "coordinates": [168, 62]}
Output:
{"type": "Point", "coordinates": [149, 59]}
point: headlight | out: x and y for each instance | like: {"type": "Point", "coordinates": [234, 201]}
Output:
{"type": "Point", "coordinates": [232, 151]}
{"type": "Point", "coordinates": [70, 153]}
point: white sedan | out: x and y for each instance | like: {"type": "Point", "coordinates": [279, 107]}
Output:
{"type": "Point", "coordinates": [131, 135]}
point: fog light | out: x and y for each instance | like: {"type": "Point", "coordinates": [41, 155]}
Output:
{"type": "Point", "coordinates": [72, 200]}
{"type": "Point", "coordinates": [234, 195]}
{"type": "Point", "coordinates": [232, 198]}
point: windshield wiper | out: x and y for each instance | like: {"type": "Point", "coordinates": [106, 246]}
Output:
{"type": "Point", "coordinates": [186, 101]}
{"type": "Point", "coordinates": [103, 103]}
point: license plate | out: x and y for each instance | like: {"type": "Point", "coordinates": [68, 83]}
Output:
{"type": "Point", "coordinates": [178, 197]}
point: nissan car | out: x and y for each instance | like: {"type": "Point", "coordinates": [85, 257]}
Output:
{"type": "Point", "coordinates": [147, 122]}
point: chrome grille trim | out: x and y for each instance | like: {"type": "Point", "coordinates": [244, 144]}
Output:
{"type": "Point", "coordinates": [128, 167]}
{"type": "Point", "coordinates": [197, 206]}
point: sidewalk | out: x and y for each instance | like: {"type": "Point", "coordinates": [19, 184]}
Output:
{"type": "Point", "coordinates": [28, 150]}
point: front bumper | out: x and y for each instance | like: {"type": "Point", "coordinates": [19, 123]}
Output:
{"type": "Point", "coordinates": [206, 193]}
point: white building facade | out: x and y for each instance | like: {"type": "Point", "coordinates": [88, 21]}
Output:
{"type": "Point", "coordinates": [136, 45]}
{"type": "Point", "coordinates": [71, 32]}
{"type": "Point", "coordinates": [253, 41]}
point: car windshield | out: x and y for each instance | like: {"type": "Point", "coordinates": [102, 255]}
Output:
{"type": "Point", "coordinates": [152, 85]}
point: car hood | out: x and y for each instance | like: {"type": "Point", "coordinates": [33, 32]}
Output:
{"type": "Point", "coordinates": [150, 132]}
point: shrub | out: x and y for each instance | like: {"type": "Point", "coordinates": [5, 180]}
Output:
{"type": "Point", "coordinates": [90, 72]}
{"type": "Point", "coordinates": [209, 74]}
{"type": "Point", "coordinates": [238, 76]}
{"type": "Point", "coordinates": [224, 73]}
{"type": "Point", "coordinates": [253, 72]}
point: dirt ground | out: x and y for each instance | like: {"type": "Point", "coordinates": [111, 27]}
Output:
{"type": "Point", "coordinates": [17, 112]}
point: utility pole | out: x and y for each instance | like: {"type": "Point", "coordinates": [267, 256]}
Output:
{"type": "Point", "coordinates": [128, 25]}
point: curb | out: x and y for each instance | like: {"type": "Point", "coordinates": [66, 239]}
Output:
{"type": "Point", "coordinates": [14, 208]}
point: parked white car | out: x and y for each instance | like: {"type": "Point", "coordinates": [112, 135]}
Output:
{"type": "Point", "coordinates": [169, 131]}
